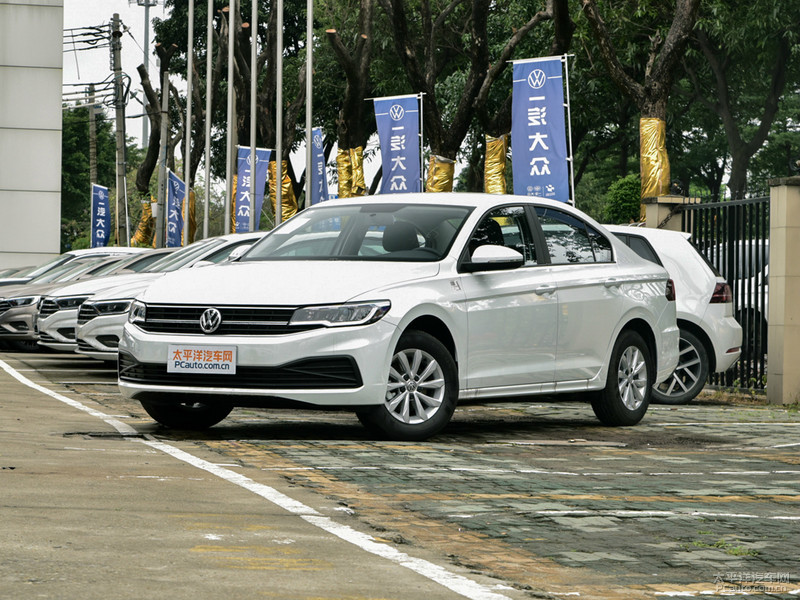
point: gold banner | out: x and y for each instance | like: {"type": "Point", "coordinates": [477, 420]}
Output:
{"type": "Point", "coordinates": [144, 231]}
{"type": "Point", "coordinates": [192, 221]}
{"type": "Point", "coordinates": [654, 162]}
{"type": "Point", "coordinates": [345, 173]}
{"type": "Point", "coordinates": [233, 205]}
{"type": "Point", "coordinates": [440, 174]}
{"type": "Point", "coordinates": [494, 166]}
{"type": "Point", "coordinates": [288, 200]}
{"type": "Point", "coordinates": [358, 186]}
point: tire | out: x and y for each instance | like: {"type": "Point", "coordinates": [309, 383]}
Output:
{"type": "Point", "coordinates": [187, 415]}
{"type": "Point", "coordinates": [625, 399]}
{"type": "Point", "coordinates": [421, 390]}
{"type": "Point", "coordinates": [690, 375]}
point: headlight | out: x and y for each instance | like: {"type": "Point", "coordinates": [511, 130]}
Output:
{"type": "Point", "coordinates": [70, 301]}
{"type": "Point", "coordinates": [112, 307]}
{"type": "Point", "coordinates": [23, 301]}
{"type": "Point", "coordinates": [341, 315]}
{"type": "Point", "coordinates": [137, 312]}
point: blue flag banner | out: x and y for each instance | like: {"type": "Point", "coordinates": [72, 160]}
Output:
{"type": "Point", "coordinates": [539, 158]}
{"type": "Point", "coordinates": [176, 194]}
{"type": "Point", "coordinates": [398, 132]}
{"type": "Point", "coordinates": [101, 216]}
{"type": "Point", "coordinates": [244, 180]}
{"type": "Point", "coordinates": [319, 176]}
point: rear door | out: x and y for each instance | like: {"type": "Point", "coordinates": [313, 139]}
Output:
{"type": "Point", "coordinates": [588, 281]}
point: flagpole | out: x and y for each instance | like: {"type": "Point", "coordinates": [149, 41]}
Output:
{"type": "Point", "coordinates": [253, 82]}
{"type": "Point", "coordinates": [565, 60]}
{"type": "Point", "coordinates": [230, 121]}
{"type": "Point", "coordinates": [279, 114]}
{"type": "Point", "coordinates": [187, 156]}
{"type": "Point", "coordinates": [309, 89]}
{"type": "Point", "coordinates": [209, 67]}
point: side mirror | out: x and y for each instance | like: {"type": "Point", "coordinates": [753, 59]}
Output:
{"type": "Point", "coordinates": [493, 258]}
{"type": "Point", "coordinates": [238, 252]}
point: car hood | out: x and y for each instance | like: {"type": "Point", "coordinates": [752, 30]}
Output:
{"type": "Point", "coordinates": [284, 282]}
{"type": "Point", "coordinates": [95, 286]}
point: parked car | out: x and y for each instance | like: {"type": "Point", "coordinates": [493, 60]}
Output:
{"type": "Point", "coordinates": [27, 275]}
{"type": "Point", "coordinates": [102, 317]}
{"type": "Point", "coordinates": [57, 317]}
{"type": "Point", "coordinates": [711, 338]}
{"type": "Point", "coordinates": [19, 303]}
{"type": "Point", "coordinates": [397, 307]}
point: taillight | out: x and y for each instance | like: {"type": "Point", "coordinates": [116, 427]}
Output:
{"type": "Point", "coordinates": [670, 293]}
{"type": "Point", "coordinates": [722, 294]}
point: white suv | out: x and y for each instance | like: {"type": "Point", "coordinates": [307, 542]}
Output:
{"type": "Point", "coordinates": [711, 338]}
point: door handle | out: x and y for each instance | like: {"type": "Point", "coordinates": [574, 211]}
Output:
{"type": "Point", "coordinates": [613, 282]}
{"type": "Point", "coordinates": [543, 290]}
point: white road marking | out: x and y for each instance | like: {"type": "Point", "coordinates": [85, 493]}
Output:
{"type": "Point", "coordinates": [452, 581]}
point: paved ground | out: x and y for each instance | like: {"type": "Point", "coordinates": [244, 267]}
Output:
{"type": "Point", "coordinates": [701, 500]}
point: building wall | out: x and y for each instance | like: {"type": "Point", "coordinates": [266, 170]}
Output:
{"type": "Point", "coordinates": [31, 33]}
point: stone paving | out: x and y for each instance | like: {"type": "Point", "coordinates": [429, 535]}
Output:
{"type": "Point", "coordinates": [696, 501]}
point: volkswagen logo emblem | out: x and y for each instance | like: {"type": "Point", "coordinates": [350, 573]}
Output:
{"type": "Point", "coordinates": [396, 112]}
{"type": "Point", "coordinates": [210, 320]}
{"type": "Point", "coordinates": [537, 79]}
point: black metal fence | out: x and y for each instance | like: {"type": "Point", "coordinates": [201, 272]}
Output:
{"type": "Point", "coordinates": [734, 237]}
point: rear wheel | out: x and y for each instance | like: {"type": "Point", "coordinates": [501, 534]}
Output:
{"type": "Point", "coordinates": [625, 399]}
{"type": "Point", "coordinates": [187, 415]}
{"type": "Point", "coordinates": [421, 390]}
{"type": "Point", "coordinates": [689, 376]}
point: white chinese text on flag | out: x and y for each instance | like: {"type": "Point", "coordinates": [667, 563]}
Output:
{"type": "Point", "coordinates": [398, 131]}
{"type": "Point", "coordinates": [176, 194]}
{"type": "Point", "coordinates": [318, 174]}
{"type": "Point", "coordinates": [101, 216]}
{"type": "Point", "coordinates": [245, 189]}
{"type": "Point", "coordinates": [538, 130]}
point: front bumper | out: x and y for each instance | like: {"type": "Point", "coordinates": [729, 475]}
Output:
{"type": "Point", "coordinates": [57, 330]}
{"type": "Point", "coordinates": [309, 367]}
{"type": "Point", "coordinates": [18, 323]}
{"type": "Point", "coordinates": [100, 336]}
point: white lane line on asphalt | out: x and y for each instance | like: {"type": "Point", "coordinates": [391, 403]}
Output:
{"type": "Point", "coordinates": [452, 581]}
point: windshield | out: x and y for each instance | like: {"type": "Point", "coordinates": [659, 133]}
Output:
{"type": "Point", "coordinates": [180, 258]}
{"type": "Point", "coordinates": [383, 232]}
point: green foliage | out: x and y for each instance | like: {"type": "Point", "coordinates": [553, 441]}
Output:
{"type": "Point", "coordinates": [623, 200]}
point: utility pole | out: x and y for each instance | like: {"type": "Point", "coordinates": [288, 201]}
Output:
{"type": "Point", "coordinates": [119, 105]}
{"type": "Point", "coordinates": [92, 138]}
{"type": "Point", "coordinates": [161, 207]}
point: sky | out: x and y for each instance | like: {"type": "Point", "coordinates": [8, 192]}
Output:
{"type": "Point", "coordinates": [92, 66]}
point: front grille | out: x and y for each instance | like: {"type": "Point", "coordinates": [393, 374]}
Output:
{"type": "Point", "coordinates": [339, 372]}
{"type": "Point", "coordinates": [47, 308]}
{"type": "Point", "coordinates": [43, 337]}
{"type": "Point", "coordinates": [86, 313]}
{"type": "Point", "coordinates": [4, 306]}
{"type": "Point", "coordinates": [236, 320]}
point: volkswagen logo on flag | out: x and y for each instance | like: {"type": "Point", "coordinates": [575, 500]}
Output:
{"type": "Point", "coordinates": [537, 79]}
{"type": "Point", "coordinates": [210, 320]}
{"type": "Point", "coordinates": [396, 112]}
{"type": "Point", "coordinates": [317, 140]}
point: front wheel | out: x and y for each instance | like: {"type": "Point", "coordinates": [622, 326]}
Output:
{"type": "Point", "coordinates": [187, 415]}
{"type": "Point", "coordinates": [630, 379]}
{"type": "Point", "coordinates": [421, 390]}
{"type": "Point", "coordinates": [689, 377]}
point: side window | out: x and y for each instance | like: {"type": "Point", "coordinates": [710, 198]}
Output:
{"type": "Point", "coordinates": [569, 240]}
{"type": "Point", "coordinates": [642, 247]}
{"type": "Point", "coordinates": [600, 245]}
{"type": "Point", "coordinates": [506, 226]}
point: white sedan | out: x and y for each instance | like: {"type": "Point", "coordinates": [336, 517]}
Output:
{"type": "Point", "coordinates": [400, 306]}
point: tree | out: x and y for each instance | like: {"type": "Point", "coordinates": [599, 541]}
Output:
{"type": "Point", "coordinates": [744, 72]}
{"type": "Point", "coordinates": [75, 182]}
{"type": "Point", "coordinates": [445, 52]}
{"type": "Point", "coordinates": [651, 95]}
